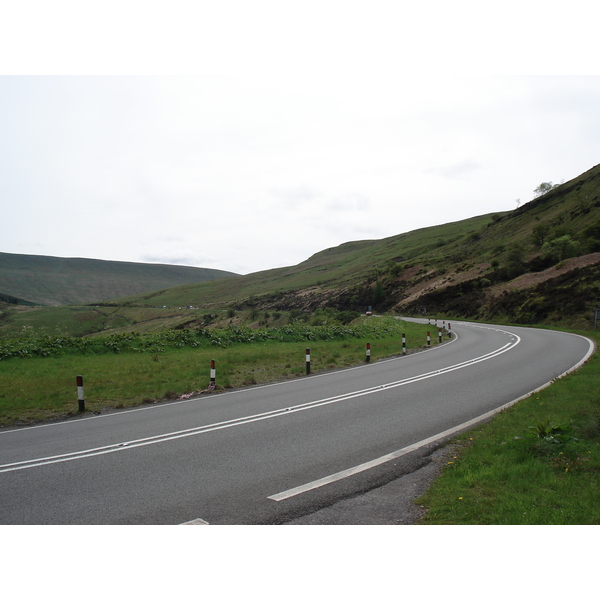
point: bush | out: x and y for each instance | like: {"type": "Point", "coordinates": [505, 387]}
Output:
{"type": "Point", "coordinates": [561, 248]}
{"type": "Point", "coordinates": [47, 346]}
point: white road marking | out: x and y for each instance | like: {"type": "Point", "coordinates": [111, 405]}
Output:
{"type": "Point", "coordinates": [449, 432]}
{"type": "Point", "coordinates": [129, 445]}
{"type": "Point", "coordinates": [195, 522]}
{"type": "Point", "coordinates": [39, 462]}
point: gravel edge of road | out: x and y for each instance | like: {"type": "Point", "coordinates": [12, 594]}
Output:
{"type": "Point", "coordinates": [390, 504]}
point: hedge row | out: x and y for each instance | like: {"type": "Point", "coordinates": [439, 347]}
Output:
{"type": "Point", "coordinates": [46, 346]}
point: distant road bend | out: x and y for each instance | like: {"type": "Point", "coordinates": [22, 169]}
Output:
{"type": "Point", "coordinates": [268, 454]}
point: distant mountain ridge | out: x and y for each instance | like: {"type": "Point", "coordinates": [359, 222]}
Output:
{"type": "Point", "coordinates": [50, 281]}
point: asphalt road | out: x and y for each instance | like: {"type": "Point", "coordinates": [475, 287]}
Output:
{"type": "Point", "coordinates": [273, 453]}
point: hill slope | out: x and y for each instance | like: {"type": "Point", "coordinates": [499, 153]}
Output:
{"type": "Point", "coordinates": [49, 280]}
{"type": "Point", "coordinates": [539, 263]}
{"type": "Point", "coordinates": [318, 279]}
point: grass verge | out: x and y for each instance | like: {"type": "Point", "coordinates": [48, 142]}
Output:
{"type": "Point", "coordinates": [536, 463]}
{"type": "Point", "coordinates": [37, 388]}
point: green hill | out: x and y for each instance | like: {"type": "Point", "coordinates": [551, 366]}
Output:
{"type": "Point", "coordinates": [538, 264]}
{"type": "Point", "coordinates": [47, 280]}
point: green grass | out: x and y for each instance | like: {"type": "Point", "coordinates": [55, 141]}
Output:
{"type": "Point", "coordinates": [91, 320]}
{"type": "Point", "coordinates": [537, 463]}
{"type": "Point", "coordinates": [38, 388]}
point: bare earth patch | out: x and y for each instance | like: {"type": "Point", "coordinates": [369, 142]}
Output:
{"type": "Point", "coordinates": [532, 279]}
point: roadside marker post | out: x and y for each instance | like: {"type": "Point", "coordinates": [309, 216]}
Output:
{"type": "Point", "coordinates": [403, 343]}
{"type": "Point", "coordinates": [428, 339]}
{"type": "Point", "coordinates": [308, 361]}
{"type": "Point", "coordinates": [449, 330]}
{"type": "Point", "coordinates": [213, 376]}
{"type": "Point", "coordinates": [80, 394]}
{"type": "Point", "coordinates": [440, 335]}
{"type": "Point", "coordinates": [368, 352]}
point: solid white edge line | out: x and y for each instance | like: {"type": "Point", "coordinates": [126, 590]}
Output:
{"type": "Point", "coordinates": [388, 457]}
{"type": "Point", "coordinates": [164, 405]}
{"type": "Point", "coordinates": [131, 444]}
{"type": "Point", "coordinates": [196, 522]}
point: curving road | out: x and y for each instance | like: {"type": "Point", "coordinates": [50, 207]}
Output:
{"type": "Point", "coordinates": [268, 454]}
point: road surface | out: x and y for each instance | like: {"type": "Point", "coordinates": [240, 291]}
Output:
{"type": "Point", "coordinates": [273, 453]}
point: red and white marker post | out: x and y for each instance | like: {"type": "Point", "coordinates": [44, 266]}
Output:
{"type": "Point", "coordinates": [403, 343]}
{"type": "Point", "coordinates": [428, 339]}
{"type": "Point", "coordinates": [308, 361]}
{"type": "Point", "coordinates": [213, 376]}
{"type": "Point", "coordinates": [80, 394]}
{"type": "Point", "coordinates": [368, 358]}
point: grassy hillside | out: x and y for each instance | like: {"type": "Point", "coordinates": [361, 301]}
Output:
{"type": "Point", "coordinates": [52, 281]}
{"type": "Point", "coordinates": [537, 264]}
{"type": "Point", "coordinates": [319, 279]}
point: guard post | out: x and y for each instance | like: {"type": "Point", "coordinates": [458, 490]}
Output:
{"type": "Point", "coordinates": [80, 393]}
{"type": "Point", "coordinates": [213, 376]}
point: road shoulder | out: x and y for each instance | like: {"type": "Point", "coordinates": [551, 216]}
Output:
{"type": "Point", "coordinates": [389, 504]}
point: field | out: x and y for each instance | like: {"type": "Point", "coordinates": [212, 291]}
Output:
{"type": "Point", "coordinates": [38, 374]}
{"type": "Point", "coordinates": [535, 463]}
{"type": "Point", "coordinates": [90, 320]}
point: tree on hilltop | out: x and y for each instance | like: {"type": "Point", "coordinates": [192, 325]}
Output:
{"type": "Point", "coordinates": [544, 188]}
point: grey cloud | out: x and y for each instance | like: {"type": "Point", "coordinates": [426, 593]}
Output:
{"type": "Point", "coordinates": [293, 195]}
{"type": "Point", "coordinates": [456, 170]}
{"type": "Point", "coordinates": [348, 202]}
{"type": "Point", "coordinates": [177, 260]}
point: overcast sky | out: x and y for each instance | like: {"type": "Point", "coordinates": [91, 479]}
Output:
{"type": "Point", "coordinates": [247, 136]}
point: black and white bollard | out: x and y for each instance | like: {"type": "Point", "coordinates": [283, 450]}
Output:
{"type": "Point", "coordinates": [403, 343]}
{"type": "Point", "coordinates": [213, 376]}
{"type": "Point", "coordinates": [80, 395]}
{"type": "Point", "coordinates": [428, 339]}
{"type": "Point", "coordinates": [308, 361]}
{"type": "Point", "coordinates": [449, 330]}
{"type": "Point", "coordinates": [368, 358]}
{"type": "Point", "coordinates": [440, 335]}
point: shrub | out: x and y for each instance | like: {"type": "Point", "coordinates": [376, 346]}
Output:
{"type": "Point", "coordinates": [154, 343]}
{"type": "Point", "coordinates": [561, 248]}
